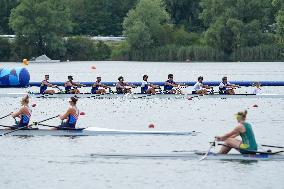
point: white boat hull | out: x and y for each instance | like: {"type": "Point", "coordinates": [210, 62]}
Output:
{"type": "Point", "coordinates": [92, 131]}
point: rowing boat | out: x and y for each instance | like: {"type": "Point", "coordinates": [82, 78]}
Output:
{"type": "Point", "coordinates": [91, 131]}
{"type": "Point", "coordinates": [194, 156]}
{"type": "Point", "coordinates": [140, 96]}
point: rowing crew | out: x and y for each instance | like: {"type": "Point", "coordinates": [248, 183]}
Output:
{"type": "Point", "coordinates": [24, 114]}
{"type": "Point", "coordinates": [122, 87]}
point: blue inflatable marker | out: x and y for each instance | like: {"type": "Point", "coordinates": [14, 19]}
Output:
{"type": "Point", "coordinates": [15, 77]}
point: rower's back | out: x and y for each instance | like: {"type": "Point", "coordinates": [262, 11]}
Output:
{"type": "Point", "coordinates": [248, 139]}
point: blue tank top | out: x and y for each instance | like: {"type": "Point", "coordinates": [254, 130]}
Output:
{"type": "Point", "coordinates": [145, 88]}
{"type": "Point", "coordinates": [25, 119]}
{"type": "Point", "coordinates": [94, 89]}
{"type": "Point", "coordinates": [168, 87]}
{"type": "Point", "coordinates": [43, 87]}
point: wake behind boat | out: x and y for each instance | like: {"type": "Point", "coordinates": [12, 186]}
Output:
{"type": "Point", "coordinates": [91, 131]}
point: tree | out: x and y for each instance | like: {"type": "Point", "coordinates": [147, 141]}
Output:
{"type": "Point", "coordinates": [5, 9]}
{"type": "Point", "coordinates": [235, 23]}
{"type": "Point", "coordinates": [185, 13]}
{"type": "Point", "coordinates": [99, 17]}
{"type": "Point", "coordinates": [144, 24]}
{"type": "Point", "coordinates": [43, 24]}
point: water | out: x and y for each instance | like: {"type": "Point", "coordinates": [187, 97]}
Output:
{"type": "Point", "coordinates": [63, 162]}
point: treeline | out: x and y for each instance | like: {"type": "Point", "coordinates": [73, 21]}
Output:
{"type": "Point", "coordinates": [156, 30]}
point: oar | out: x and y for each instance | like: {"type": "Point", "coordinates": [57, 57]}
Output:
{"type": "Point", "coordinates": [210, 147]}
{"type": "Point", "coordinates": [271, 146]}
{"type": "Point", "coordinates": [59, 89]}
{"type": "Point", "coordinates": [5, 116]}
{"type": "Point", "coordinates": [34, 123]}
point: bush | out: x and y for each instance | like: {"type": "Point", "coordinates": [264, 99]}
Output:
{"type": "Point", "coordinates": [5, 50]}
{"type": "Point", "coordinates": [83, 49]}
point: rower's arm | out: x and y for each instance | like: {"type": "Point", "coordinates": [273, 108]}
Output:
{"type": "Point", "coordinates": [171, 84]}
{"type": "Point", "coordinates": [232, 134]}
{"type": "Point", "coordinates": [65, 116]}
{"type": "Point", "coordinates": [18, 113]}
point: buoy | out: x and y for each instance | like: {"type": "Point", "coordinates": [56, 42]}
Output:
{"type": "Point", "coordinates": [94, 67]}
{"type": "Point", "coordinates": [25, 62]}
{"type": "Point", "coordinates": [151, 126]}
{"type": "Point", "coordinates": [189, 98]}
{"type": "Point", "coordinates": [82, 113]}
{"type": "Point", "coordinates": [34, 105]}
{"type": "Point", "coordinates": [255, 106]}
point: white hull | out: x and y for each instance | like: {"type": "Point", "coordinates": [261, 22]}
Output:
{"type": "Point", "coordinates": [193, 156]}
{"type": "Point", "coordinates": [92, 131]}
{"type": "Point", "coordinates": [140, 96]}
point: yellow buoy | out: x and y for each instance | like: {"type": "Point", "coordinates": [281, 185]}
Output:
{"type": "Point", "coordinates": [25, 61]}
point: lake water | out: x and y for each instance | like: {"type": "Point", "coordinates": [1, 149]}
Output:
{"type": "Point", "coordinates": [64, 162]}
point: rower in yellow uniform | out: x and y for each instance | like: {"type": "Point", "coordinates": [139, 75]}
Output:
{"type": "Point", "coordinates": [248, 143]}
{"type": "Point", "coordinates": [24, 113]}
{"type": "Point", "coordinates": [44, 84]}
{"type": "Point", "coordinates": [96, 87]}
{"type": "Point", "coordinates": [71, 115]}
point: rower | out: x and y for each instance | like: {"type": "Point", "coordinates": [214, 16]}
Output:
{"type": "Point", "coordinates": [71, 115]}
{"type": "Point", "coordinates": [24, 113]}
{"type": "Point", "coordinates": [44, 84]}
{"type": "Point", "coordinates": [247, 145]}
{"type": "Point", "coordinates": [257, 89]}
{"type": "Point", "coordinates": [146, 87]}
{"type": "Point", "coordinates": [96, 87]}
{"type": "Point", "coordinates": [123, 87]}
{"type": "Point", "coordinates": [226, 87]}
{"type": "Point", "coordinates": [72, 87]}
{"type": "Point", "coordinates": [170, 84]}
{"type": "Point", "coordinates": [199, 87]}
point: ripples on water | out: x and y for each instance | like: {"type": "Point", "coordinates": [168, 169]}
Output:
{"type": "Point", "coordinates": [64, 162]}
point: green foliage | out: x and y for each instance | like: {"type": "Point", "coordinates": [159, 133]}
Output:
{"type": "Point", "coordinates": [144, 24]}
{"type": "Point", "coordinates": [83, 49]}
{"type": "Point", "coordinates": [185, 13]}
{"type": "Point", "coordinates": [5, 50]}
{"type": "Point", "coordinates": [99, 17]}
{"type": "Point", "coordinates": [236, 23]}
{"type": "Point", "coordinates": [5, 8]}
{"type": "Point", "coordinates": [43, 23]}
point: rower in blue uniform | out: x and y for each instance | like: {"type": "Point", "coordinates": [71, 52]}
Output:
{"type": "Point", "coordinates": [96, 87]}
{"type": "Point", "coordinates": [71, 115]}
{"type": "Point", "coordinates": [44, 84]}
{"type": "Point", "coordinates": [226, 87]}
{"type": "Point", "coordinates": [24, 113]}
{"type": "Point", "coordinates": [146, 87]}
{"type": "Point", "coordinates": [170, 84]}
{"type": "Point", "coordinates": [71, 87]}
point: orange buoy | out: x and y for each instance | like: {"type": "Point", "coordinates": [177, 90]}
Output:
{"type": "Point", "coordinates": [94, 67]}
{"type": "Point", "coordinates": [82, 113]}
{"type": "Point", "coordinates": [151, 126]}
{"type": "Point", "coordinates": [189, 98]}
{"type": "Point", "coordinates": [255, 106]}
{"type": "Point", "coordinates": [34, 105]}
